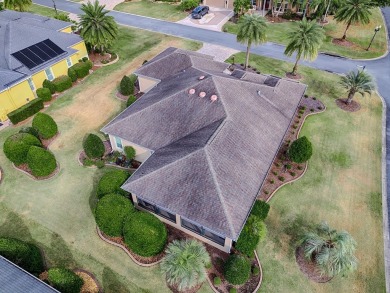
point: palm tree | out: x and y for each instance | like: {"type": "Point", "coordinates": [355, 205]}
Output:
{"type": "Point", "coordinates": [357, 82]}
{"type": "Point", "coordinates": [184, 263]}
{"type": "Point", "coordinates": [98, 29]}
{"type": "Point", "coordinates": [332, 251]}
{"type": "Point", "coordinates": [352, 12]}
{"type": "Point", "coordinates": [251, 30]}
{"type": "Point", "coordinates": [21, 5]}
{"type": "Point", "coordinates": [305, 40]}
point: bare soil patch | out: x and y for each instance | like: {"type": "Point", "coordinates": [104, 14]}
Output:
{"type": "Point", "coordinates": [344, 43]}
{"type": "Point", "coordinates": [309, 267]}
{"type": "Point", "coordinates": [293, 76]}
{"type": "Point", "coordinates": [351, 107]}
{"type": "Point", "coordinates": [283, 170]}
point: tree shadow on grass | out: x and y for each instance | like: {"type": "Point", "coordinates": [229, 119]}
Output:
{"type": "Point", "coordinates": [58, 253]}
{"type": "Point", "coordinates": [295, 228]}
{"type": "Point", "coordinates": [93, 199]}
{"type": "Point", "coordinates": [15, 227]}
{"type": "Point", "coordinates": [113, 284]}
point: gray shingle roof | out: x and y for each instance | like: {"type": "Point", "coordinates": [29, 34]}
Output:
{"type": "Point", "coordinates": [19, 30]}
{"type": "Point", "coordinates": [210, 158]}
{"type": "Point", "coordinates": [16, 280]}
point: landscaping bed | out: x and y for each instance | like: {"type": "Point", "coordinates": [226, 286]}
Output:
{"type": "Point", "coordinates": [25, 169]}
{"type": "Point", "coordinates": [99, 59]}
{"type": "Point", "coordinates": [82, 156]}
{"type": "Point", "coordinates": [91, 285]}
{"type": "Point", "coordinates": [284, 170]}
{"type": "Point", "coordinates": [309, 267]}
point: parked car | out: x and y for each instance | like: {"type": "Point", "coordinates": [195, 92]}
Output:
{"type": "Point", "coordinates": [199, 12]}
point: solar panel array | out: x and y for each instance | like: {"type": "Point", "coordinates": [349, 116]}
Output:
{"type": "Point", "coordinates": [38, 54]}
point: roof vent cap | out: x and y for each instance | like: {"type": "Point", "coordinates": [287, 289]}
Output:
{"type": "Point", "coordinates": [202, 94]}
{"type": "Point", "coordinates": [213, 98]}
{"type": "Point", "coordinates": [259, 93]}
{"type": "Point", "coordinates": [201, 77]}
{"type": "Point", "coordinates": [191, 91]}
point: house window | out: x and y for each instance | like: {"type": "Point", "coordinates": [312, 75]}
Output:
{"type": "Point", "coordinates": [31, 84]}
{"type": "Point", "coordinates": [157, 210]}
{"type": "Point", "coordinates": [49, 74]}
{"type": "Point", "coordinates": [202, 231]}
{"type": "Point", "coordinates": [118, 143]}
{"type": "Point", "coordinates": [146, 205]}
{"type": "Point", "coordinates": [69, 62]}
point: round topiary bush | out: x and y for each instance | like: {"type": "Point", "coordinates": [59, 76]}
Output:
{"type": "Point", "coordinates": [17, 146]}
{"type": "Point", "coordinates": [41, 162]}
{"type": "Point", "coordinates": [145, 234]}
{"type": "Point", "coordinates": [111, 212]}
{"type": "Point", "coordinates": [44, 94]}
{"type": "Point", "coordinates": [217, 281]}
{"type": "Point", "coordinates": [111, 182]}
{"type": "Point", "coordinates": [233, 290]}
{"type": "Point", "coordinates": [72, 74]}
{"type": "Point", "coordinates": [30, 130]}
{"type": "Point", "coordinates": [25, 255]}
{"type": "Point", "coordinates": [300, 150]}
{"type": "Point", "coordinates": [64, 280]}
{"type": "Point", "coordinates": [45, 125]}
{"type": "Point", "coordinates": [49, 85]}
{"type": "Point", "coordinates": [126, 86]}
{"type": "Point", "coordinates": [129, 152]}
{"type": "Point", "coordinates": [93, 146]}
{"type": "Point", "coordinates": [237, 269]}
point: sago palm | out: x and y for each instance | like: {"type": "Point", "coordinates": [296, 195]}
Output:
{"type": "Point", "coordinates": [184, 263]}
{"type": "Point", "coordinates": [353, 12]}
{"type": "Point", "coordinates": [21, 5]}
{"type": "Point", "coordinates": [97, 28]}
{"type": "Point", "coordinates": [251, 30]}
{"type": "Point", "coordinates": [305, 40]}
{"type": "Point", "coordinates": [332, 251]}
{"type": "Point", "coordinates": [357, 82]}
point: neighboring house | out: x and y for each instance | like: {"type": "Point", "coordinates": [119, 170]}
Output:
{"type": "Point", "coordinates": [33, 48]}
{"type": "Point", "coordinates": [207, 137]}
{"type": "Point", "coordinates": [14, 279]}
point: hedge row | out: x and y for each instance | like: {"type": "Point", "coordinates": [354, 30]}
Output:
{"type": "Point", "coordinates": [44, 94]}
{"type": "Point", "coordinates": [111, 212]}
{"type": "Point", "coordinates": [253, 232]}
{"type": "Point", "coordinates": [111, 182]}
{"type": "Point", "coordinates": [49, 85]}
{"type": "Point", "coordinates": [45, 125]}
{"type": "Point", "coordinates": [40, 161]}
{"type": "Point", "coordinates": [130, 100]}
{"type": "Point", "coordinates": [260, 209]}
{"type": "Point", "coordinates": [16, 147]}
{"type": "Point", "coordinates": [144, 234]}
{"type": "Point", "coordinates": [81, 69]}
{"type": "Point", "coordinates": [64, 280]}
{"type": "Point", "coordinates": [26, 111]}
{"type": "Point", "coordinates": [62, 83]}
{"type": "Point", "coordinates": [25, 255]}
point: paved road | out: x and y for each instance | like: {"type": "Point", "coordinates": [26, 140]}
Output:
{"type": "Point", "coordinates": [380, 68]}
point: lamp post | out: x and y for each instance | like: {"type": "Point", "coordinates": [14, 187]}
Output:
{"type": "Point", "coordinates": [377, 29]}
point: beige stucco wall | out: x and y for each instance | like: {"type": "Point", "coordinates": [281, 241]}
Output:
{"type": "Point", "coordinates": [228, 242]}
{"type": "Point", "coordinates": [217, 3]}
{"type": "Point", "coordinates": [146, 83]}
{"type": "Point", "coordinates": [142, 154]}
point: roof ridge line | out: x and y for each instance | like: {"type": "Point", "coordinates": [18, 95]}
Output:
{"type": "Point", "coordinates": [219, 192]}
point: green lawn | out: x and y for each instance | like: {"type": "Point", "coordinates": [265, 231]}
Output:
{"type": "Point", "coordinates": [360, 35]}
{"type": "Point", "coordinates": [42, 10]}
{"type": "Point", "coordinates": [160, 10]}
{"type": "Point", "coordinates": [342, 186]}
{"type": "Point", "coordinates": [57, 214]}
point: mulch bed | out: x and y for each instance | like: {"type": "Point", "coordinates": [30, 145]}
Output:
{"type": "Point", "coordinates": [97, 58]}
{"type": "Point", "coordinates": [309, 267]}
{"type": "Point", "coordinates": [248, 69]}
{"type": "Point", "coordinates": [292, 76]}
{"type": "Point", "coordinates": [283, 170]}
{"type": "Point", "coordinates": [107, 146]}
{"type": "Point", "coordinates": [26, 169]}
{"type": "Point", "coordinates": [344, 43]}
{"type": "Point", "coordinates": [351, 107]}
{"type": "Point", "coordinates": [218, 258]}
{"type": "Point", "coordinates": [91, 285]}
{"type": "Point", "coordinates": [175, 289]}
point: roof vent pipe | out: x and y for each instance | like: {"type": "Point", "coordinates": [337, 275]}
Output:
{"type": "Point", "coordinates": [191, 91]}
{"type": "Point", "coordinates": [213, 98]}
{"type": "Point", "coordinates": [202, 94]}
{"type": "Point", "coordinates": [201, 77]}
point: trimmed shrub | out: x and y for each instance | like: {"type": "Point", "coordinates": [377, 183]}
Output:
{"type": "Point", "coordinates": [111, 182]}
{"type": "Point", "coordinates": [145, 234]}
{"type": "Point", "coordinates": [45, 125]}
{"type": "Point", "coordinates": [30, 130]}
{"type": "Point", "coordinates": [130, 100]}
{"type": "Point", "coordinates": [188, 4]}
{"type": "Point", "coordinates": [93, 146]}
{"type": "Point", "coordinates": [62, 83]}
{"type": "Point", "coordinates": [17, 146]}
{"type": "Point", "coordinates": [110, 213]}
{"type": "Point", "coordinates": [84, 59]}
{"type": "Point", "coordinates": [237, 269]}
{"type": "Point", "coordinates": [300, 150]}
{"type": "Point", "coordinates": [64, 280]}
{"type": "Point", "coordinates": [89, 63]}
{"type": "Point", "coordinates": [44, 94]}
{"type": "Point", "coordinates": [253, 232]}
{"type": "Point", "coordinates": [255, 271]}
{"type": "Point", "coordinates": [217, 281]}
{"type": "Point", "coordinates": [129, 152]}
{"type": "Point", "coordinates": [41, 162]}
{"type": "Point", "coordinates": [25, 111]}
{"type": "Point", "coordinates": [81, 69]}
{"type": "Point", "coordinates": [49, 85]}
{"type": "Point", "coordinates": [260, 209]}
{"type": "Point", "coordinates": [126, 86]}
{"type": "Point", "coordinates": [232, 290]}
{"type": "Point", "coordinates": [25, 255]}
{"type": "Point", "coordinates": [72, 74]}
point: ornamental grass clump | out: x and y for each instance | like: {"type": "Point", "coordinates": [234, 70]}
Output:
{"type": "Point", "coordinates": [185, 262]}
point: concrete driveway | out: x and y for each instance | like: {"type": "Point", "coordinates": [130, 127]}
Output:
{"type": "Point", "coordinates": [214, 20]}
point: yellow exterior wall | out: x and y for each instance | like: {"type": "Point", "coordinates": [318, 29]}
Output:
{"type": "Point", "coordinates": [67, 30]}
{"type": "Point", "coordinates": [15, 97]}
{"type": "Point", "coordinates": [81, 52]}
{"type": "Point", "coordinates": [60, 68]}
{"type": "Point", "coordinates": [38, 79]}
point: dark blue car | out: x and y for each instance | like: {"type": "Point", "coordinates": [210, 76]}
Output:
{"type": "Point", "coordinates": [199, 12]}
